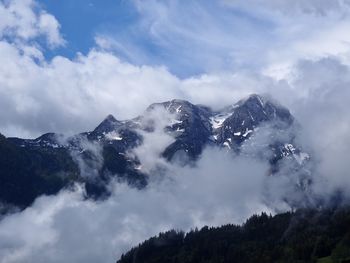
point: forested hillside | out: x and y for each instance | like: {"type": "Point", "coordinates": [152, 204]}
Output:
{"type": "Point", "coordinates": [303, 236]}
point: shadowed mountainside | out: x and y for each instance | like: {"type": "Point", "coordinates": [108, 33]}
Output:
{"type": "Point", "coordinates": [51, 162]}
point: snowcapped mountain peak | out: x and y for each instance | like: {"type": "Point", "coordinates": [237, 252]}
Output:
{"type": "Point", "coordinates": [261, 108]}
{"type": "Point", "coordinates": [180, 101]}
{"type": "Point", "coordinates": [108, 124]}
{"type": "Point", "coordinates": [195, 126]}
{"type": "Point", "coordinates": [234, 124]}
{"type": "Point", "coordinates": [174, 106]}
{"type": "Point", "coordinates": [192, 128]}
{"type": "Point", "coordinates": [110, 118]}
{"type": "Point", "coordinates": [253, 99]}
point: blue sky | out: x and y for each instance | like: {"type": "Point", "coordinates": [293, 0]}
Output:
{"type": "Point", "coordinates": [196, 37]}
{"type": "Point", "coordinates": [69, 63]}
{"type": "Point", "coordinates": [189, 39]}
{"type": "Point", "coordinates": [81, 20]}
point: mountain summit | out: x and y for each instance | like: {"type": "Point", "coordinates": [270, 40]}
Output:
{"type": "Point", "coordinates": [44, 165]}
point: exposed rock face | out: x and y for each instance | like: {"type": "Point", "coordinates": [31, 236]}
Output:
{"type": "Point", "coordinates": [56, 161]}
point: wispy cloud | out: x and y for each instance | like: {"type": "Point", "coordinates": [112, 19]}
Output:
{"type": "Point", "coordinates": [215, 36]}
{"type": "Point", "coordinates": [24, 20]}
{"type": "Point", "coordinates": [294, 7]}
{"type": "Point", "coordinates": [198, 37]}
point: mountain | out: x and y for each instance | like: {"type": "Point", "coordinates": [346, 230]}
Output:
{"type": "Point", "coordinates": [303, 236]}
{"type": "Point", "coordinates": [32, 167]}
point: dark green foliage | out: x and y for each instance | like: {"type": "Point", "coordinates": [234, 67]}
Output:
{"type": "Point", "coordinates": [304, 236]}
{"type": "Point", "coordinates": [26, 174]}
{"type": "Point", "coordinates": [341, 253]}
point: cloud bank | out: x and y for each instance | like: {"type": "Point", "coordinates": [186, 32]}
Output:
{"type": "Point", "coordinates": [67, 228]}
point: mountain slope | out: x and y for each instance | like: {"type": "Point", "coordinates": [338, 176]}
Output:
{"type": "Point", "coordinates": [27, 173]}
{"type": "Point", "coordinates": [304, 236]}
{"type": "Point", "coordinates": [32, 167]}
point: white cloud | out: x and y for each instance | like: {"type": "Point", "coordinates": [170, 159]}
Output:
{"type": "Point", "coordinates": [67, 228]}
{"type": "Point", "coordinates": [49, 26]}
{"type": "Point", "coordinates": [71, 96]}
{"type": "Point", "coordinates": [294, 7]}
{"type": "Point", "coordinates": [322, 108]}
{"type": "Point", "coordinates": [154, 143]}
{"type": "Point", "coordinates": [24, 20]}
{"type": "Point", "coordinates": [218, 39]}
{"type": "Point", "coordinates": [255, 35]}
{"type": "Point", "coordinates": [74, 95]}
